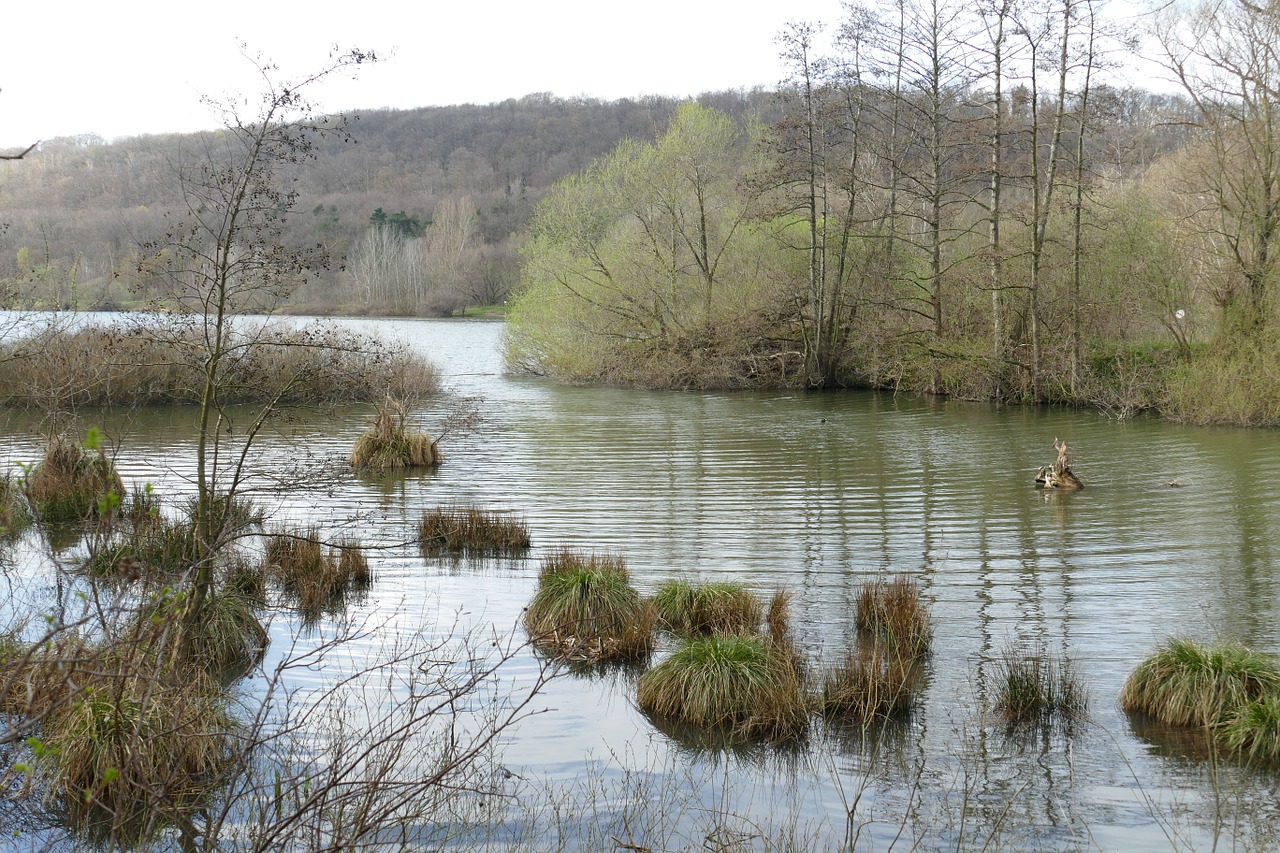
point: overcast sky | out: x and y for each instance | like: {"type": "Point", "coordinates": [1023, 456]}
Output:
{"type": "Point", "coordinates": [141, 66]}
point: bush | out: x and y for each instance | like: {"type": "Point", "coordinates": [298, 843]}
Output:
{"type": "Point", "coordinates": [315, 579]}
{"type": "Point", "coordinates": [586, 609]}
{"type": "Point", "coordinates": [1187, 684]}
{"type": "Point", "coordinates": [469, 529]}
{"type": "Point", "coordinates": [723, 607]}
{"type": "Point", "coordinates": [732, 682]}
{"type": "Point", "coordinates": [869, 685]}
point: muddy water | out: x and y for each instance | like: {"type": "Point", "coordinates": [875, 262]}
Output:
{"type": "Point", "coordinates": [1177, 531]}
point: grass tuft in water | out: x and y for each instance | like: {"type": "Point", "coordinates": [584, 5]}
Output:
{"type": "Point", "coordinates": [469, 529]}
{"type": "Point", "coordinates": [738, 683]}
{"type": "Point", "coordinates": [1037, 688]}
{"type": "Point", "coordinates": [1254, 730]}
{"type": "Point", "coordinates": [14, 516]}
{"type": "Point", "coordinates": [316, 579]}
{"type": "Point", "coordinates": [389, 445]}
{"type": "Point", "coordinates": [719, 607]}
{"type": "Point", "coordinates": [893, 613]}
{"type": "Point", "coordinates": [1185, 683]}
{"type": "Point", "coordinates": [586, 609]}
{"type": "Point", "coordinates": [71, 482]}
{"type": "Point", "coordinates": [872, 684]}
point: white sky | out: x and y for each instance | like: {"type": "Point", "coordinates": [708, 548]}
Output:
{"type": "Point", "coordinates": [140, 66]}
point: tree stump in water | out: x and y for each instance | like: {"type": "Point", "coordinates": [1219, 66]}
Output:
{"type": "Point", "coordinates": [1059, 474]}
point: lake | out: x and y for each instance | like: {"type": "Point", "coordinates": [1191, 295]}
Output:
{"type": "Point", "coordinates": [1176, 532]}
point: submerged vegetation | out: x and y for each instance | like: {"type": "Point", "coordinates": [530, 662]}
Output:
{"type": "Point", "coordinates": [316, 578]}
{"type": "Point", "coordinates": [1037, 688]}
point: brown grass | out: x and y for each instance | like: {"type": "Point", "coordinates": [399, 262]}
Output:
{"type": "Point", "coordinates": [469, 529]}
{"type": "Point", "coordinates": [69, 483]}
{"type": "Point", "coordinates": [893, 613]}
{"type": "Point", "coordinates": [388, 445]}
{"type": "Point", "coordinates": [316, 579]}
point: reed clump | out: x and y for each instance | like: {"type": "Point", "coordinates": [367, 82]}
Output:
{"type": "Point", "coordinates": [870, 684]}
{"type": "Point", "coordinates": [724, 607]}
{"type": "Point", "coordinates": [138, 364]}
{"type": "Point", "coordinates": [1037, 688]}
{"type": "Point", "coordinates": [740, 684]}
{"type": "Point", "coordinates": [1185, 683]}
{"type": "Point", "coordinates": [389, 445]}
{"type": "Point", "coordinates": [14, 516]}
{"type": "Point", "coordinates": [315, 578]}
{"type": "Point", "coordinates": [71, 482]}
{"type": "Point", "coordinates": [586, 609]}
{"type": "Point", "coordinates": [471, 529]}
{"type": "Point", "coordinates": [893, 613]}
{"type": "Point", "coordinates": [1254, 730]}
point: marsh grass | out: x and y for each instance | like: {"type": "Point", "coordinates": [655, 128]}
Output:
{"type": "Point", "coordinates": [389, 445]}
{"type": "Point", "coordinates": [137, 364]}
{"type": "Point", "coordinates": [736, 683]}
{"type": "Point", "coordinates": [723, 607]}
{"type": "Point", "coordinates": [870, 685]}
{"type": "Point", "coordinates": [1037, 688]}
{"type": "Point", "coordinates": [124, 750]}
{"type": "Point", "coordinates": [586, 609]}
{"type": "Point", "coordinates": [71, 482]}
{"type": "Point", "coordinates": [1254, 730]}
{"type": "Point", "coordinates": [1187, 684]}
{"type": "Point", "coordinates": [316, 579]}
{"type": "Point", "coordinates": [14, 516]}
{"type": "Point", "coordinates": [470, 529]}
{"type": "Point", "coordinates": [893, 614]}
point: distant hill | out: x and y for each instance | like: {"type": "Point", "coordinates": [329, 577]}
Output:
{"type": "Point", "coordinates": [76, 209]}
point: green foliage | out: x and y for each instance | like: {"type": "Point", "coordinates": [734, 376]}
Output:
{"type": "Point", "coordinates": [586, 609]}
{"type": "Point", "coordinates": [1254, 729]}
{"type": "Point", "coordinates": [1236, 382]}
{"type": "Point", "coordinates": [1187, 684]}
{"type": "Point", "coordinates": [738, 683]}
{"type": "Point", "coordinates": [723, 607]}
{"type": "Point", "coordinates": [402, 224]}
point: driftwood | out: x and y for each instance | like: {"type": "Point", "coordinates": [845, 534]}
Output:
{"type": "Point", "coordinates": [1059, 474]}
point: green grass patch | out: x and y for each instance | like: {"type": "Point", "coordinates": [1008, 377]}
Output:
{"type": "Point", "coordinates": [389, 445]}
{"type": "Point", "coordinates": [1254, 730]}
{"type": "Point", "coordinates": [586, 609]}
{"type": "Point", "coordinates": [723, 607]}
{"type": "Point", "coordinates": [736, 683]}
{"type": "Point", "coordinates": [1185, 683]}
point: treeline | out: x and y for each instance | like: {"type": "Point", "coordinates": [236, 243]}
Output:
{"type": "Point", "coordinates": [951, 201]}
{"type": "Point", "coordinates": [76, 210]}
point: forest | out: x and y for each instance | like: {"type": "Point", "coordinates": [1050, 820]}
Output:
{"type": "Point", "coordinates": [940, 198]}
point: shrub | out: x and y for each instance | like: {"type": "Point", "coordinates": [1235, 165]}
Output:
{"type": "Point", "coordinates": [71, 481]}
{"type": "Point", "coordinates": [732, 682]}
{"type": "Point", "coordinates": [585, 608]}
{"type": "Point", "coordinates": [1037, 688]}
{"type": "Point", "coordinates": [469, 529]}
{"type": "Point", "coordinates": [892, 612]}
{"type": "Point", "coordinates": [1187, 684]}
{"type": "Point", "coordinates": [388, 445]}
{"type": "Point", "coordinates": [723, 607]}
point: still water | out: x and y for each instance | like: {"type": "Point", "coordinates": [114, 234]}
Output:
{"type": "Point", "coordinates": [1177, 531]}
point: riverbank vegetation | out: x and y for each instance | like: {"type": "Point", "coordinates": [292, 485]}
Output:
{"type": "Point", "coordinates": [948, 204]}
